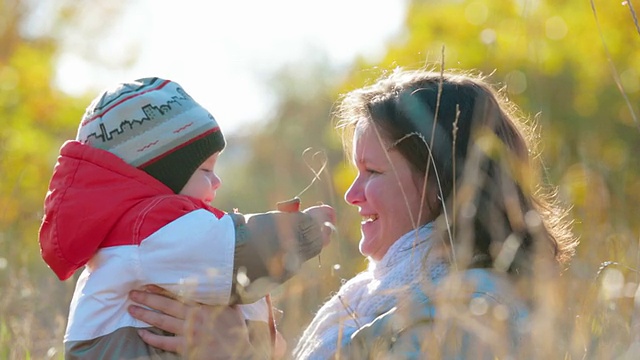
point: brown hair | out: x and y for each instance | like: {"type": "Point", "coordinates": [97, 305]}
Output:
{"type": "Point", "coordinates": [469, 142]}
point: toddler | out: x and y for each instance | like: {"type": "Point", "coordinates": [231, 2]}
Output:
{"type": "Point", "coordinates": [129, 201]}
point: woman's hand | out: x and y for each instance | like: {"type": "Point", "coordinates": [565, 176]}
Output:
{"type": "Point", "coordinates": [201, 331]}
{"type": "Point", "coordinates": [170, 317]}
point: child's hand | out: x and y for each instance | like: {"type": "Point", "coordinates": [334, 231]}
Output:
{"type": "Point", "coordinates": [325, 216]}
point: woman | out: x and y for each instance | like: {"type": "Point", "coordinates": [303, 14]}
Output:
{"type": "Point", "coordinates": [454, 220]}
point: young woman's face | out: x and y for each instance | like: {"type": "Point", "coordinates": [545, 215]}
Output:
{"type": "Point", "coordinates": [377, 191]}
{"type": "Point", "coordinates": [204, 182]}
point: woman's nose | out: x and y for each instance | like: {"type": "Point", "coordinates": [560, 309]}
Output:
{"type": "Point", "coordinates": [354, 194]}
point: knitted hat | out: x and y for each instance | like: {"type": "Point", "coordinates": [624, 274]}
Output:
{"type": "Point", "coordinates": [154, 125]}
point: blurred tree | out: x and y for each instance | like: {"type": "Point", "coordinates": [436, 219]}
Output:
{"type": "Point", "coordinates": [572, 66]}
{"type": "Point", "coordinates": [559, 62]}
{"type": "Point", "coordinates": [548, 55]}
{"type": "Point", "coordinates": [36, 119]}
{"type": "Point", "coordinates": [551, 58]}
{"type": "Point", "coordinates": [275, 163]}
{"type": "Point", "coordinates": [301, 121]}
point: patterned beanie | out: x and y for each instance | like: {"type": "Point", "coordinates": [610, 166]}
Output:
{"type": "Point", "coordinates": [154, 125]}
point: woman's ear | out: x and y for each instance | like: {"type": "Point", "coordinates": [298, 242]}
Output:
{"type": "Point", "coordinates": [434, 198]}
{"type": "Point", "coordinates": [432, 201]}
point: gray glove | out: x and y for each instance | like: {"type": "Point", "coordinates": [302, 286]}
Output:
{"type": "Point", "coordinates": [270, 248]}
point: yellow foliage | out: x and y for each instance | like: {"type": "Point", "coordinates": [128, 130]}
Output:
{"type": "Point", "coordinates": [556, 58]}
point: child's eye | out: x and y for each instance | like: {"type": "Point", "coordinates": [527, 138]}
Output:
{"type": "Point", "coordinates": [372, 171]}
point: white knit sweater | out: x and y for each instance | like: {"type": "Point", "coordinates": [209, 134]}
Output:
{"type": "Point", "coordinates": [370, 293]}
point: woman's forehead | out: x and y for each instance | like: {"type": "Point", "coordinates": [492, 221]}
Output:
{"type": "Point", "coordinates": [368, 141]}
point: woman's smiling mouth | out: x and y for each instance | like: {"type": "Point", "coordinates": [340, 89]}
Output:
{"type": "Point", "coordinates": [368, 219]}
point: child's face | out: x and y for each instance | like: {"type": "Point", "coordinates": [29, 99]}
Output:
{"type": "Point", "coordinates": [204, 182]}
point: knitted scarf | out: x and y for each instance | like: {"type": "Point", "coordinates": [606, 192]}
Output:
{"type": "Point", "coordinates": [370, 293]}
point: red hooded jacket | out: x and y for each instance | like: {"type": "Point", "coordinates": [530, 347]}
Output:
{"type": "Point", "coordinates": [96, 200]}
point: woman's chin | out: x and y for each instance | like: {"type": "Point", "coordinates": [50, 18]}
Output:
{"type": "Point", "coordinates": [363, 246]}
{"type": "Point", "coordinates": [368, 247]}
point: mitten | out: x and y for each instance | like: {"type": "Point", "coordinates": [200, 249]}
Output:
{"type": "Point", "coordinates": [270, 249]}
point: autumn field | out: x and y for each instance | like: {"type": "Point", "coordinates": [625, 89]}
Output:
{"type": "Point", "coordinates": [572, 67]}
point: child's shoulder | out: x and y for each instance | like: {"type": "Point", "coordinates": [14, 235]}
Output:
{"type": "Point", "coordinates": [171, 202]}
{"type": "Point", "coordinates": [152, 214]}
{"type": "Point", "coordinates": [167, 208]}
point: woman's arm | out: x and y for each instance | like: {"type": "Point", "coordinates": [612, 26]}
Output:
{"type": "Point", "coordinates": [201, 331]}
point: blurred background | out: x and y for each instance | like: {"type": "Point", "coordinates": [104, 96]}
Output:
{"type": "Point", "coordinates": [271, 73]}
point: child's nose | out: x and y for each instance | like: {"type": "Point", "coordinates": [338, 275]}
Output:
{"type": "Point", "coordinates": [216, 182]}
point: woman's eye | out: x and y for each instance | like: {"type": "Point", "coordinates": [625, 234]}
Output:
{"type": "Point", "coordinates": [206, 170]}
{"type": "Point", "coordinates": [372, 171]}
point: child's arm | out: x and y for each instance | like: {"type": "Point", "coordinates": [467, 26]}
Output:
{"type": "Point", "coordinates": [271, 247]}
{"type": "Point", "coordinates": [219, 258]}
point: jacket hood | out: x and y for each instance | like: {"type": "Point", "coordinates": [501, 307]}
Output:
{"type": "Point", "coordinates": [90, 190]}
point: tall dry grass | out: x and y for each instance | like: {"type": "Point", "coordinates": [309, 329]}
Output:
{"type": "Point", "coordinates": [589, 312]}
